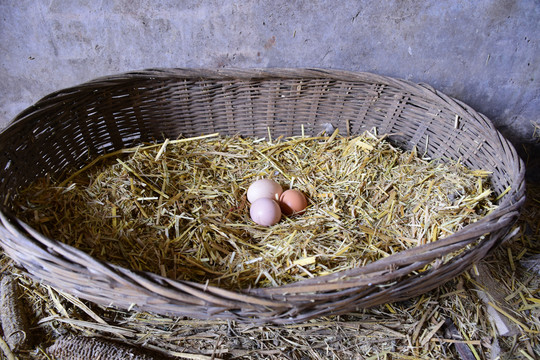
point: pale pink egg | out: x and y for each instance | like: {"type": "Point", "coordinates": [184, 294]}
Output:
{"type": "Point", "coordinates": [265, 212]}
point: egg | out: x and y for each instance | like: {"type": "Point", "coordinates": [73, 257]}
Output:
{"type": "Point", "coordinates": [265, 212]}
{"type": "Point", "coordinates": [264, 188]}
{"type": "Point", "coordinates": [292, 202]}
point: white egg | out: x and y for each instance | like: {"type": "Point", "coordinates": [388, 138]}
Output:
{"type": "Point", "coordinates": [264, 188]}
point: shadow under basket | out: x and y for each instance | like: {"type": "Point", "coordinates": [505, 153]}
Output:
{"type": "Point", "coordinates": [61, 130]}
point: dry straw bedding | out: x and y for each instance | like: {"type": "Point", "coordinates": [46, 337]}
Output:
{"type": "Point", "coordinates": [451, 322]}
{"type": "Point", "coordinates": [179, 208]}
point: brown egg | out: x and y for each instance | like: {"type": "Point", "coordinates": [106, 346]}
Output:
{"type": "Point", "coordinates": [292, 202]}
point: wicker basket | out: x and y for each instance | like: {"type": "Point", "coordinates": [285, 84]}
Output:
{"type": "Point", "coordinates": [121, 111]}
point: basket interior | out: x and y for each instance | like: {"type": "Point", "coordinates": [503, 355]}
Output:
{"type": "Point", "coordinates": [66, 129]}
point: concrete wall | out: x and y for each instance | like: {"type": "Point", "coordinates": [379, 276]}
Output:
{"type": "Point", "coordinates": [483, 52]}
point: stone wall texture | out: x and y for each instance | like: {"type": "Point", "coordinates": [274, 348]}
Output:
{"type": "Point", "coordinates": [484, 52]}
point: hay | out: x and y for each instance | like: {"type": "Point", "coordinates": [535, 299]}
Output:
{"type": "Point", "coordinates": [392, 331]}
{"type": "Point", "coordinates": [179, 208]}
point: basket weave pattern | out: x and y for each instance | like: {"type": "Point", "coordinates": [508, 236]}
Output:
{"type": "Point", "coordinates": [107, 114]}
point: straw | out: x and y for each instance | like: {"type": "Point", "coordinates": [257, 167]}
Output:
{"type": "Point", "coordinates": [181, 204]}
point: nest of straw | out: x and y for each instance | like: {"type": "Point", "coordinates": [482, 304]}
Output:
{"type": "Point", "coordinates": [451, 322]}
{"type": "Point", "coordinates": [179, 208]}
{"type": "Point", "coordinates": [107, 115]}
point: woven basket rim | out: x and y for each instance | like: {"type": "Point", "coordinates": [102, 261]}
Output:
{"type": "Point", "coordinates": [496, 221]}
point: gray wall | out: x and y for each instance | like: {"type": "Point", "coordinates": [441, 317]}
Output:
{"type": "Point", "coordinates": [483, 52]}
